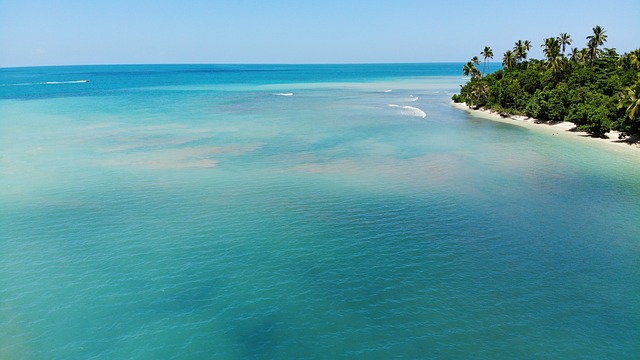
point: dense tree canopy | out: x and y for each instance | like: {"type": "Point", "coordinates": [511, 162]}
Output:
{"type": "Point", "coordinates": [594, 87]}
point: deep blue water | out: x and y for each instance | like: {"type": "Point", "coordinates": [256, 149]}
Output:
{"type": "Point", "coordinates": [303, 211]}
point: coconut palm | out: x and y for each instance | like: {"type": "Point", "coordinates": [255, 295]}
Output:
{"type": "Point", "coordinates": [519, 52]}
{"type": "Point", "coordinates": [551, 48]}
{"type": "Point", "coordinates": [599, 37]}
{"type": "Point", "coordinates": [631, 101]}
{"type": "Point", "coordinates": [487, 53]}
{"type": "Point", "coordinates": [564, 39]}
{"type": "Point", "coordinates": [470, 69]}
{"type": "Point", "coordinates": [467, 69]}
{"type": "Point", "coordinates": [521, 49]}
{"type": "Point", "coordinates": [574, 55]}
{"type": "Point", "coordinates": [634, 57]}
{"type": "Point", "coordinates": [478, 95]}
{"type": "Point", "coordinates": [557, 64]}
{"type": "Point", "coordinates": [596, 40]}
{"type": "Point", "coordinates": [630, 60]}
{"type": "Point", "coordinates": [509, 60]}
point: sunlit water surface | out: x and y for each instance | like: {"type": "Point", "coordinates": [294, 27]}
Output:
{"type": "Point", "coordinates": [277, 212]}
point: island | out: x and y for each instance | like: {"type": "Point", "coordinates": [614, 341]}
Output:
{"type": "Point", "coordinates": [594, 89]}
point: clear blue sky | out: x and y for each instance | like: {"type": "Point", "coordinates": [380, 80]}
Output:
{"type": "Point", "coordinates": [58, 32]}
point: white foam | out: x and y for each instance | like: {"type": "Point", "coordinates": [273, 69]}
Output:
{"type": "Point", "coordinates": [412, 98]}
{"type": "Point", "coordinates": [387, 90]}
{"type": "Point", "coordinates": [284, 94]}
{"type": "Point", "coordinates": [49, 83]}
{"type": "Point", "coordinates": [67, 82]}
{"type": "Point", "coordinates": [410, 110]}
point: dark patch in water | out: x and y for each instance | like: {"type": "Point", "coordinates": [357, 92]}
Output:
{"type": "Point", "coordinates": [257, 337]}
{"type": "Point", "coordinates": [186, 299]}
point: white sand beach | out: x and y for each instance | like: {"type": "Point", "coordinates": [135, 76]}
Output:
{"type": "Point", "coordinates": [561, 129]}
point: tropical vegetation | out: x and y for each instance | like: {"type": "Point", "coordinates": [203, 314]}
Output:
{"type": "Point", "coordinates": [593, 87]}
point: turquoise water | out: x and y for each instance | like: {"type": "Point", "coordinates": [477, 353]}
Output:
{"type": "Point", "coordinates": [254, 211]}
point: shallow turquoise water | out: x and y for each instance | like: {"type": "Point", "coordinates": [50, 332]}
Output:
{"type": "Point", "coordinates": [290, 212]}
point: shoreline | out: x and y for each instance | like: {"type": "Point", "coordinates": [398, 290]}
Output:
{"type": "Point", "coordinates": [562, 129]}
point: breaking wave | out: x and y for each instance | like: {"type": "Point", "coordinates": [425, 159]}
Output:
{"type": "Point", "coordinates": [284, 94]}
{"type": "Point", "coordinates": [410, 110]}
{"type": "Point", "coordinates": [50, 83]}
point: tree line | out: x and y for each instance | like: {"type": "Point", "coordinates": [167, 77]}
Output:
{"type": "Point", "coordinates": [593, 87]}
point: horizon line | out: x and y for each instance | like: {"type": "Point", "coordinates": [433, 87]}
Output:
{"type": "Point", "coordinates": [239, 63]}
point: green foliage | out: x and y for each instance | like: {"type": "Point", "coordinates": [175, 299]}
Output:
{"type": "Point", "coordinates": [530, 81]}
{"type": "Point", "coordinates": [595, 88]}
{"type": "Point", "coordinates": [509, 94]}
{"type": "Point", "coordinates": [549, 104]}
{"type": "Point", "coordinates": [629, 102]}
{"type": "Point", "coordinates": [595, 114]}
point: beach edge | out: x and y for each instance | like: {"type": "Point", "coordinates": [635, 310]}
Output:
{"type": "Point", "coordinates": [561, 129]}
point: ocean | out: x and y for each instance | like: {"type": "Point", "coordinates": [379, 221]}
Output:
{"type": "Point", "coordinates": [303, 211]}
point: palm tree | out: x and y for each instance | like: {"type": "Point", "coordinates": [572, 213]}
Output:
{"type": "Point", "coordinates": [634, 57]}
{"type": "Point", "coordinates": [597, 39]}
{"type": "Point", "coordinates": [557, 64]}
{"type": "Point", "coordinates": [478, 96]}
{"type": "Point", "coordinates": [630, 60]}
{"type": "Point", "coordinates": [564, 39]}
{"type": "Point", "coordinates": [555, 61]}
{"type": "Point", "coordinates": [584, 55]}
{"type": "Point", "coordinates": [470, 69]}
{"type": "Point", "coordinates": [551, 48]}
{"type": "Point", "coordinates": [487, 53]}
{"type": "Point", "coordinates": [574, 56]}
{"type": "Point", "coordinates": [467, 69]}
{"type": "Point", "coordinates": [520, 50]}
{"type": "Point", "coordinates": [631, 100]}
{"type": "Point", "coordinates": [509, 60]}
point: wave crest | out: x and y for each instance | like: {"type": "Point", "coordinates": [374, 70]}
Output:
{"type": "Point", "coordinates": [49, 83]}
{"type": "Point", "coordinates": [410, 110]}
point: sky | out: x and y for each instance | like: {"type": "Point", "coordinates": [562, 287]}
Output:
{"type": "Point", "coordinates": [73, 32]}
